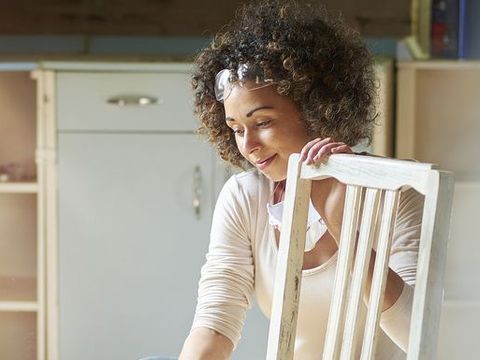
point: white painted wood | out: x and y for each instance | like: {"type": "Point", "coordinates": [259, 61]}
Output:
{"type": "Point", "coordinates": [382, 139]}
{"type": "Point", "coordinates": [29, 306]}
{"type": "Point", "coordinates": [41, 235]}
{"type": "Point", "coordinates": [360, 271]}
{"type": "Point", "coordinates": [440, 65]}
{"type": "Point", "coordinates": [405, 124]}
{"type": "Point", "coordinates": [19, 188]}
{"type": "Point", "coordinates": [82, 102]}
{"type": "Point", "coordinates": [131, 246]}
{"type": "Point", "coordinates": [348, 237]}
{"type": "Point", "coordinates": [46, 156]}
{"type": "Point", "coordinates": [288, 274]}
{"type": "Point", "coordinates": [380, 272]}
{"type": "Point", "coordinates": [97, 66]}
{"type": "Point", "coordinates": [431, 266]}
{"type": "Point", "coordinates": [380, 175]}
{"type": "Point", "coordinates": [372, 172]}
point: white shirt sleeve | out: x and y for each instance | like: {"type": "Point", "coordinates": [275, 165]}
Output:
{"type": "Point", "coordinates": [227, 278]}
{"type": "Point", "coordinates": [395, 321]}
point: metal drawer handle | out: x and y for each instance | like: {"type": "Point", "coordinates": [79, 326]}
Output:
{"type": "Point", "coordinates": [133, 100]}
{"type": "Point", "coordinates": [197, 190]}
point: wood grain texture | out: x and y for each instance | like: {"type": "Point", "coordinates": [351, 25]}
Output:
{"type": "Point", "coordinates": [381, 179]}
{"type": "Point", "coordinates": [368, 227]}
{"type": "Point", "coordinates": [377, 291]}
{"type": "Point", "coordinates": [336, 317]}
{"type": "Point", "coordinates": [288, 275]}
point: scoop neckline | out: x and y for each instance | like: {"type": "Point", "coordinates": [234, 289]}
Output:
{"type": "Point", "coordinates": [305, 272]}
{"type": "Point", "coordinates": [273, 244]}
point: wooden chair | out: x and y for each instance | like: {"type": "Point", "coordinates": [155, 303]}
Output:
{"type": "Point", "coordinates": [368, 179]}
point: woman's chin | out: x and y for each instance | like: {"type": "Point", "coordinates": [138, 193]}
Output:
{"type": "Point", "coordinates": [274, 176]}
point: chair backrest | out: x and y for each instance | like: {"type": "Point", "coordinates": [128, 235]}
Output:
{"type": "Point", "coordinates": [372, 183]}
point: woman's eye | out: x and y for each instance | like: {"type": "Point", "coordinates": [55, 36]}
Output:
{"type": "Point", "coordinates": [264, 123]}
{"type": "Point", "coordinates": [238, 131]}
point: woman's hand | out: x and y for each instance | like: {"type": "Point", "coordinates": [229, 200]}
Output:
{"type": "Point", "coordinates": [328, 196]}
{"type": "Point", "coordinates": [319, 149]}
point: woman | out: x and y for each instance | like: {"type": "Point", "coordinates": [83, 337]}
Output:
{"type": "Point", "coordinates": [283, 78]}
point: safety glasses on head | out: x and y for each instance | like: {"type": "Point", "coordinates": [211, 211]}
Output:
{"type": "Point", "coordinates": [225, 80]}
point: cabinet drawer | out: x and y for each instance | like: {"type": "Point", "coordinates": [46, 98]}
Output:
{"type": "Point", "coordinates": [89, 101]}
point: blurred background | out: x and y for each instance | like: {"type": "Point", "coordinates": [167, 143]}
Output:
{"type": "Point", "coordinates": [106, 191]}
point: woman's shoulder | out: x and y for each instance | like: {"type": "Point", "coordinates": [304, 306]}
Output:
{"type": "Point", "coordinates": [249, 182]}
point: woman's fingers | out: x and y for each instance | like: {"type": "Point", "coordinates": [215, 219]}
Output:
{"type": "Point", "coordinates": [306, 148]}
{"type": "Point", "coordinates": [345, 149]}
{"type": "Point", "coordinates": [317, 149]}
{"type": "Point", "coordinates": [312, 147]}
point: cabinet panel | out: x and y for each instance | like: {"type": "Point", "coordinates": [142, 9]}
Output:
{"type": "Point", "coordinates": [18, 247]}
{"type": "Point", "coordinates": [437, 121]}
{"type": "Point", "coordinates": [131, 245]}
{"type": "Point", "coordinates": [18, 335]}
{"type": "Point", "coordinates": [448, 125]}
{"type": "Point", "coordinates": [83, 101]}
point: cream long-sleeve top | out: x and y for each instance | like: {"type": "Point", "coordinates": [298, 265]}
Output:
{"type": "Point", "coordinates": [241, 263]}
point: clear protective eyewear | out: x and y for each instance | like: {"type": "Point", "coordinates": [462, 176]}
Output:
{"type": "Point", "coordinates": [224, 80]}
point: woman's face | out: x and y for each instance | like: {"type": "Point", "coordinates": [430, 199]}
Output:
{"type": "Point", "coordinates": [267, 128]}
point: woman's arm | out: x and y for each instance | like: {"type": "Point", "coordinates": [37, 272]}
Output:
{"type": "Point", "coordinates": [328, 197]}
{"type": "Point", "coordinates": [226, 285]}
{"type": "Point", "coordinates": [204, 343]}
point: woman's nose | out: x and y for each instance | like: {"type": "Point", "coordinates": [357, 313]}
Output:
{"type": "Point", "coordinates": [251, 142]}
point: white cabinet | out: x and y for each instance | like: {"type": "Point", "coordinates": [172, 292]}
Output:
{"type": "Point", "coordinates": [100, 254]}
{"type": "Point", "coordinates": [130, 240]}
{"type": "Point", "coordinates": [438, 120]}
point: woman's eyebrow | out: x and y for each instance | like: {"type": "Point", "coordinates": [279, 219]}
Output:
{"type": "Point", "coordinates": [250, 113]}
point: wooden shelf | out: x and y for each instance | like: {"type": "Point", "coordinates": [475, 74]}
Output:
{"type": "Point", "coordinates": [440, 64]}
{"type": "Point", "coordinates": [19, 187]}
{"type": "Point", "coordinates": [17, 306]}
{"type": "Point", "coordinates": [19, 290]}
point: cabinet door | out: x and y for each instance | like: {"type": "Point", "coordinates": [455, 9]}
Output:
{"type": "Point", "coordinates": [131, 244]}
{"type": "Point", "coordinates": [438, 121]}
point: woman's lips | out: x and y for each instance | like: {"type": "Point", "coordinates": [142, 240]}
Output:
{"type": "Point", "coordinates": [264, 163]}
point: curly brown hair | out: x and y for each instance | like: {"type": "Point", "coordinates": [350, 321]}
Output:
{"type": "Point", "coordinates": [314, 58]}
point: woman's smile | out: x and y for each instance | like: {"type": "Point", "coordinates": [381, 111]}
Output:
{"type": "Point", "coordinates": [263, 164]}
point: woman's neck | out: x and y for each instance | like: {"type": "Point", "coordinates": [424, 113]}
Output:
{"type": "Point", "coordinates": [278, 191]}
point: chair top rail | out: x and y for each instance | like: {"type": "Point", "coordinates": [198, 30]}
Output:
{"type": "Point", "coordinates": [370, 171]}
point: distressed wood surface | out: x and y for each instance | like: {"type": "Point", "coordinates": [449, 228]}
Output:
{"type": "Point", "coordinates": [336, 317]}
{"type": "Point", "coordinates": [367, 171]}
{"type": "Point", "coordinates": [288, 275]}
{"type": "Point", "coordinates": [380, 179]}
{"type": "Point", "coordinates": [377, 290]}
{"type": "Point", "coordinates": [368, 225]}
